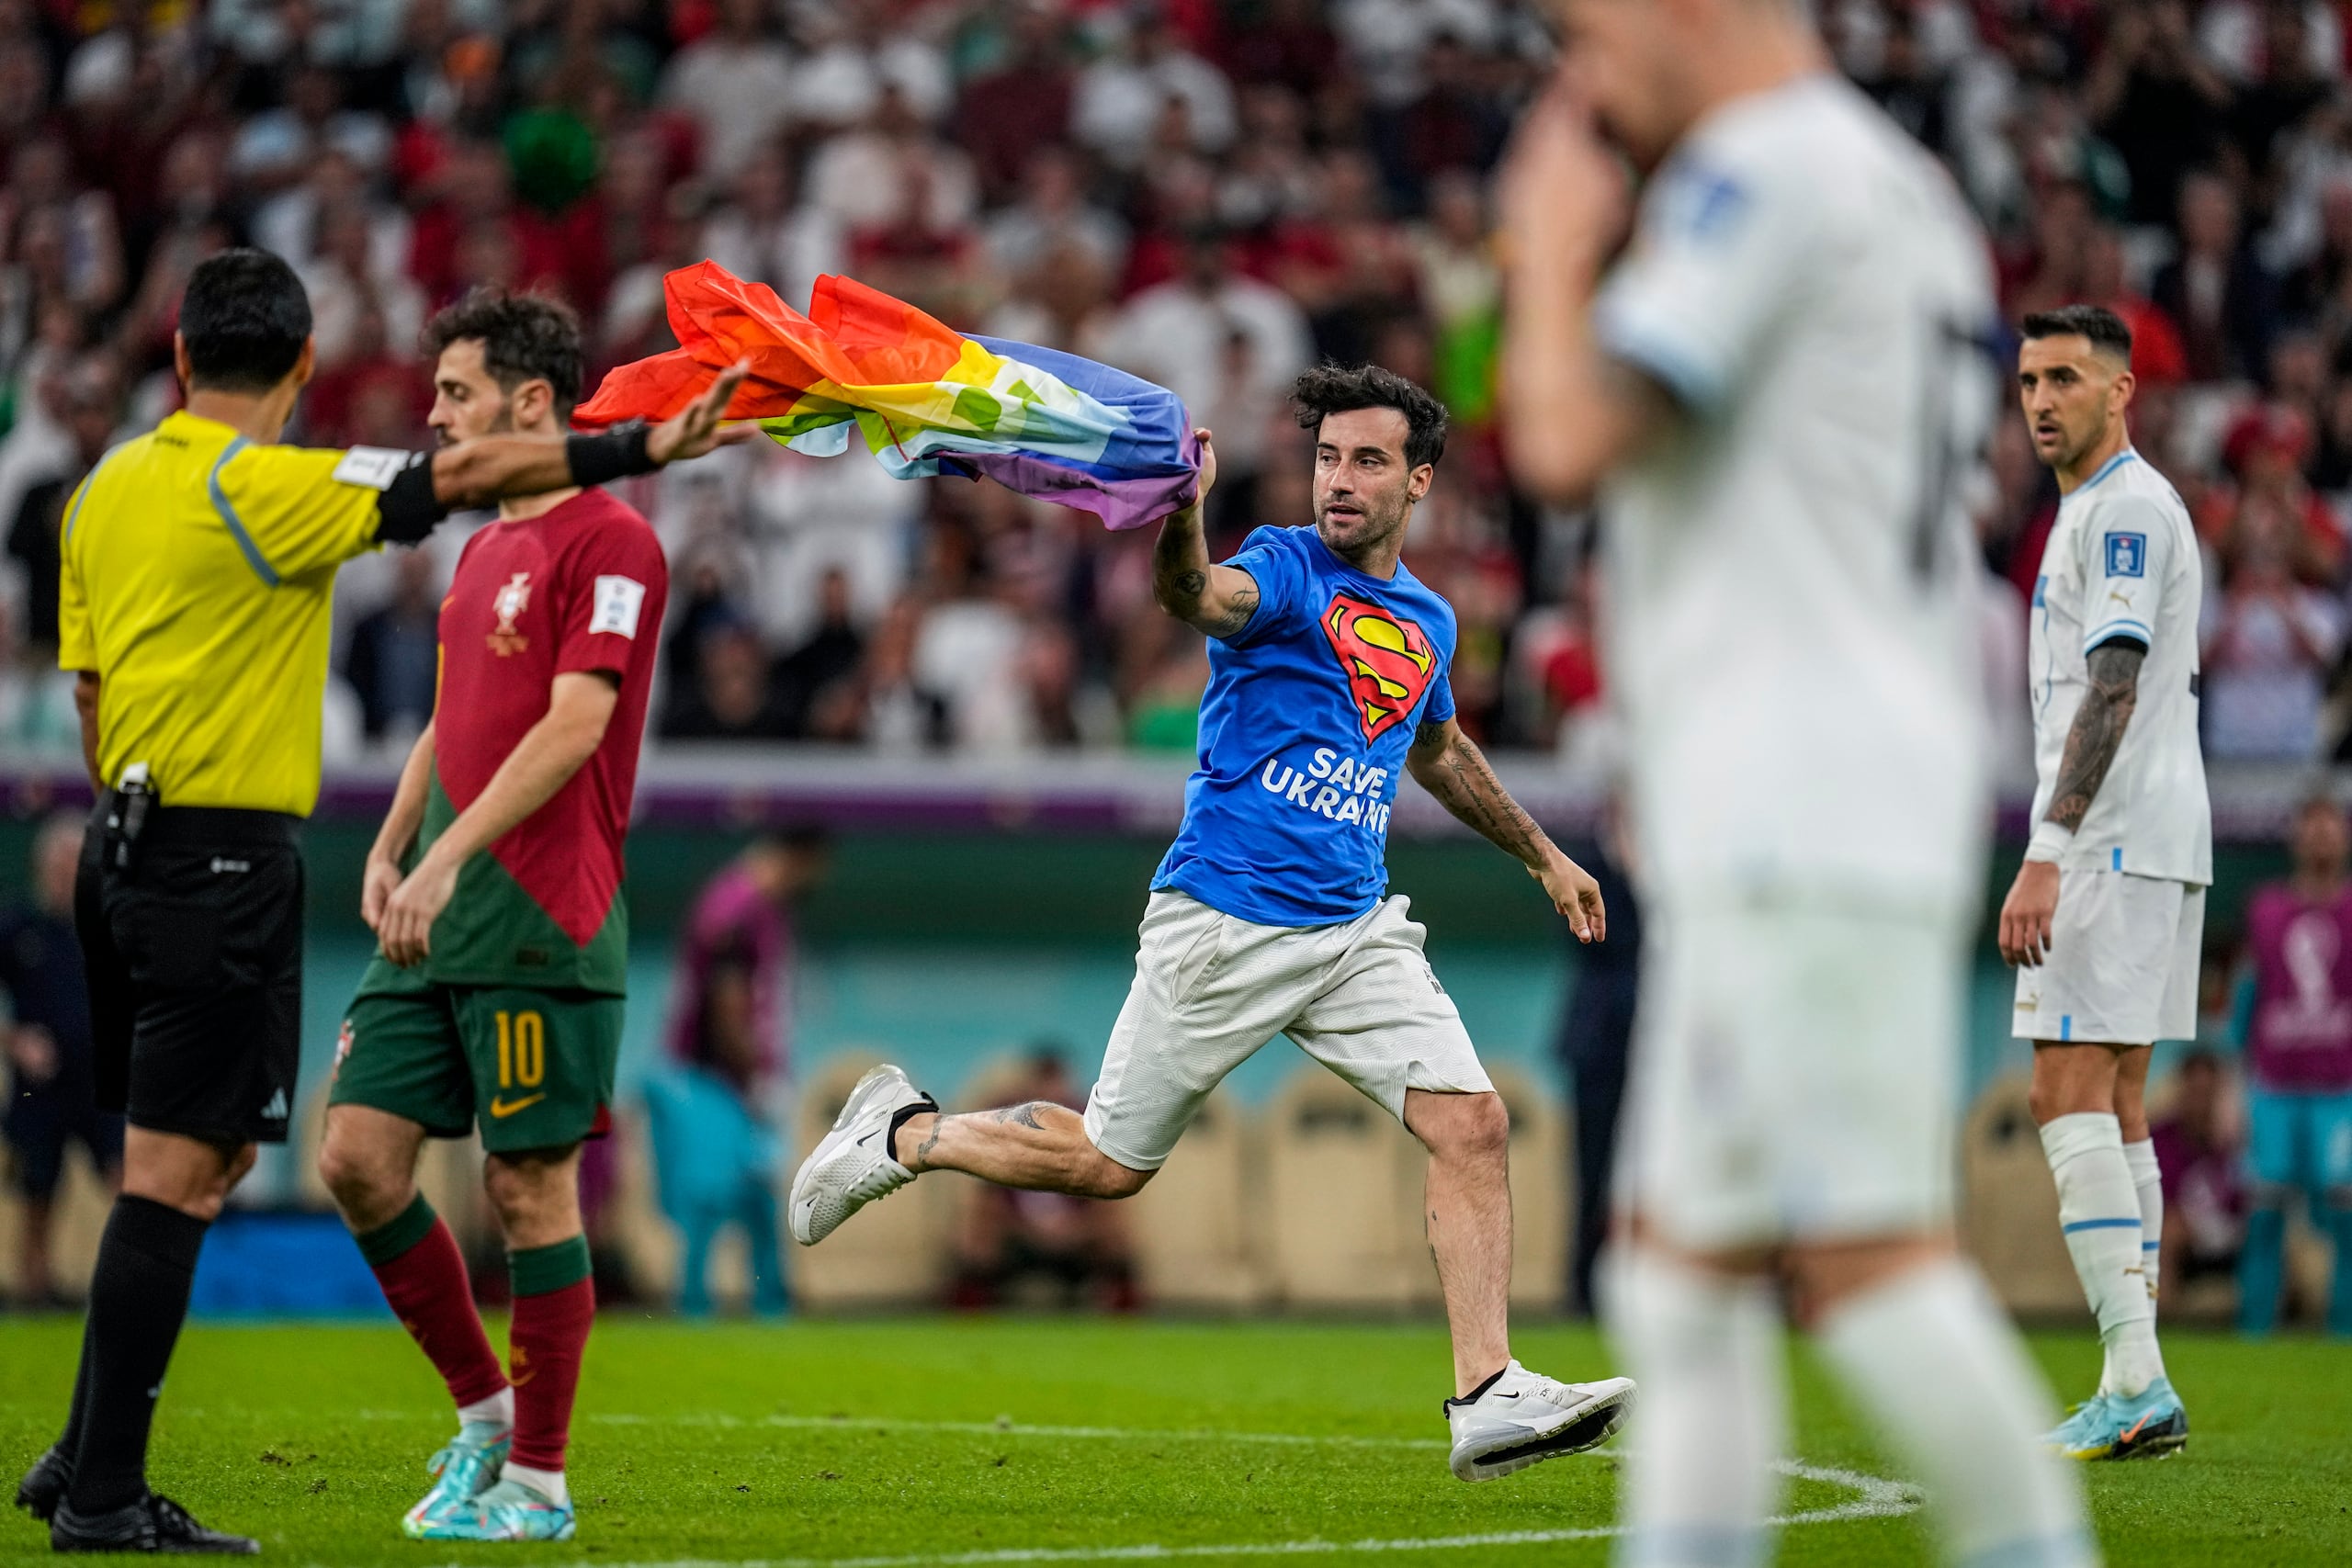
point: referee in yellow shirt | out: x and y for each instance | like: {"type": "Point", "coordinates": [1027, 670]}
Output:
{"type": "Point", "coordinates": [199, 564]}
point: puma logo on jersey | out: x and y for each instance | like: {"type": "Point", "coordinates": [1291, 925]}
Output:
{"type": "Point", "coordinates": [508, 603]}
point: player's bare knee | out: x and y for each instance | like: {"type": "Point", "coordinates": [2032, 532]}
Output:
{"type": "Point", "coordinates": [360, 1180]}
{"type": "Point", "coordinates": [1463, 1127]}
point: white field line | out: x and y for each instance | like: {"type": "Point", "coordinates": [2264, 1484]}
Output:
{"type": "Point", "coordinates": [1873, 1497]}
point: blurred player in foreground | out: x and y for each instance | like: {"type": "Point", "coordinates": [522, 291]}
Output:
{"type": "Point", "coordinates": [1779, 385]}
{"type": "Point", "coordinates": [2106, 921]}
{"type": "Point", "coordinates": [193, 606]}
{"type": "Point", "coordinates": [496, 995]}
{"type": "Point", "coordinates": [2295, 1026]}
{"type": "Point", "coordinates": [1328, 681]}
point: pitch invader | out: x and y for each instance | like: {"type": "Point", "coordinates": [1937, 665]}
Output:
{"type": "Point", "coordinates": [1328, 683]}
{"type": "Point", "coordinates": [494, 889]}
{"type": "Point", "coordinates": [1779, 385]}
{"type": "Point", "coordinates": [2106, 921]}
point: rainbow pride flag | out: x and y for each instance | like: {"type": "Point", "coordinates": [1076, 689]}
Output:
{"type": "Point", "coordinates": [928, 399]}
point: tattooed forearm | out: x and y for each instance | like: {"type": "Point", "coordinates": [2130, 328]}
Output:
{"type": "Point", "coordinates": [1453, 769]}
{"type": "Point", "coordinates": [1179, 564]}
{"type": "Point", "coordinates": [1186, 586]}
{"type": "Point", "coordinates": [2098, 731]}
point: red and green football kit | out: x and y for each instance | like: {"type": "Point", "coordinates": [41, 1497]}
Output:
{"type": "Point", "coordinates": [514, 1022]}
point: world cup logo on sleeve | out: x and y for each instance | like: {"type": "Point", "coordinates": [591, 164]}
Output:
{"type": "Point", "coordinates": [1388, 661]}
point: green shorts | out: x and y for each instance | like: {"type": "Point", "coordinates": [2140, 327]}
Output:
{"type": "Point", "coordinates": [533, 1067]}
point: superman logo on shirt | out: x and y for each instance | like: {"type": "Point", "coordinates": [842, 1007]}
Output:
{"type": "Point", "coordinates": [1387, 661]}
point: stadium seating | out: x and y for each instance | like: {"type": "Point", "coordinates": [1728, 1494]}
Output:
{"type": "Point", "coordinates": [1343, 1185]}
{"type": "Point", "coordinates": [1198, 1227]}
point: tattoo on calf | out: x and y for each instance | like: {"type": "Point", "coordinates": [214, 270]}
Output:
{"type": "Point", "coordinates": [1024, 1115]}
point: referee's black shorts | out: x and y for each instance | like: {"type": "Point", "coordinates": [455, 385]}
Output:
{"type": "Point", "coordinates": [195, 959]}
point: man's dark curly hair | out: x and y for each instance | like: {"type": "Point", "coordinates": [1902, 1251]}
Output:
{"type": "Point", "coordinates": [523, 337]}
{"type": "Point", "coordinates": [1334, 389]}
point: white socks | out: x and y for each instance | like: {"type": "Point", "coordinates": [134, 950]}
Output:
{"type": "Point", "coordinates": [1706, 1349]}
{"type": "Point", "coordinates": [1930, 1357]}
{"type": "Point", "coordinates": [2099, 1208]}
{"type": "Point", "coordinates": [498, 1410]}
{"type": "Point", "coordinates": [2150, 1182]}
{"type": "Point", "coordinates": [548, 1484]}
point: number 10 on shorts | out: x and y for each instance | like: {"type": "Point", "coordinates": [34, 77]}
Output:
{"type": "Point", "coordinates": [522, 1050]}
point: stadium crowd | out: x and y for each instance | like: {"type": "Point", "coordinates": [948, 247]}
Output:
{"type": "Point", "coordinates": [1213, 193]}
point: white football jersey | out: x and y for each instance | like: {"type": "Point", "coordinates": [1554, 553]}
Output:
{"type": "Point", "coordinates": [2123, 561]}
{"type": "Point", "coordinates": [1791, 569]}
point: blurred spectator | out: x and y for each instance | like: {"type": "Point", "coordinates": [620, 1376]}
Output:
{"type": "Point", "coordinates": [2293, 1021]}
{"type": "Point", "coordinates": [736, 83]}
{"type": "Point", "coordinates": [51, 1088]}
{"type": "Point", "coordinates": [394, 659]}
{"type": "Point", "coordinates": [2200, 1150]}
{"type": "Point", "coordinates": [1077, 1245]}
{"type": "Point", "coordinates": [813, 680]}
{"type": "Point", "coordinates": [728, 1048]}
{"type": "Point", "coordinates": [90, 401]}
{"type": "Point", "coordinates": [716, 1159]}
{"type": "Point", "coordinates": [1595, 1044]}
{"type": "Point", "coordinates": [1151, 91]}
{"type": "Point", "coordinates": [2268, 642]}
{"type": "Point", "coordinates": [2219, 293]}
{"type": "Point", "coordinates": [732, 697]}
{"type": "Point", "coordinates": [1178, 334]}
{"type": "Point", "coordinates": [750, 909]}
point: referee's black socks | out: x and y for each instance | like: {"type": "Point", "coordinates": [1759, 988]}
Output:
{"type": "Point", "coordinates": [138, 1298]}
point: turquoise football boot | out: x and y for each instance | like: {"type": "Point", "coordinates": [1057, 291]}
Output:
{"type": "Point", "coordinates": [2151, 1423]}
{"type": "Point", "coordinates": [508, 1511]}
{"type": "Point", "coordinates": [461, 1472]}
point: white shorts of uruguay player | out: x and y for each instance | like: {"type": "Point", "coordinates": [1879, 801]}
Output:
{"type": "Point", "coordinates": [2121, 970]}
{"type": "Point", "coordinates": [1792, 1076]}
{"type": "Point", "coordinates": [1209, 990]}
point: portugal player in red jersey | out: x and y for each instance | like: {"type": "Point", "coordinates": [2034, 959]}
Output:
{"type": "Point", "coordinates": [496, 995]}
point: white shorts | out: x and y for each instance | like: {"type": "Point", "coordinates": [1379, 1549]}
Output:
{"type": "Point", "coordinates": [1793, 1076]}
{"type": "Point", "coordinates": [1210, 990]}
{"type": "Point", "coordinates": [2123, 965]}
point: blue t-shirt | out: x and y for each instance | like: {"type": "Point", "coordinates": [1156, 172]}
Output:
{"type": "Point", "coordinates": [1303, 730]}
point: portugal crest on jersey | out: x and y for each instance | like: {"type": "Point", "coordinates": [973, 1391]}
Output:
{"type": "Point", "coordinates": [509, 603]}
{"type": "Point", "coordinates": [1387, 661]}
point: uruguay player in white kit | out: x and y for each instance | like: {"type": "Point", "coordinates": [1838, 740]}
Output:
{"type": "Point", "coordinates": [1328, 681]}
{"type": "Point", "coordinates": [2106, 921]}
{"type": "Point", "coordinates": [1775, 393]}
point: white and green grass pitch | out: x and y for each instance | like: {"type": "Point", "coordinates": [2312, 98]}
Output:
{"type": "Point", "coordinates": [927, 1442]}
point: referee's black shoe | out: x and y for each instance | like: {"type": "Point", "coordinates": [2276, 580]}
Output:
{"type": "Point", "coordinates": [44, 1485]}
{"type": "Point", "coordinates": [154, 1523]}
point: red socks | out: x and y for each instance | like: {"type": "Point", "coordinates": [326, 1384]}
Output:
{"type": "Point", "coordinates": [423, 1275]}
{"type": "Point", "coordinates": [555, 1306]}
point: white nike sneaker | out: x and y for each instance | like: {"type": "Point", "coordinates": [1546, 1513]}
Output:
{"type": "Point", "coordinates": [1522, 1418]}
{"type": "Point", "coordinates": [852, 1166]}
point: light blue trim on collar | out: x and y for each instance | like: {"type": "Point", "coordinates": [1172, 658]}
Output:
{"type": "Point", "coordinates": [2126, 456]}
{"type": "Point", "coordinates": [253, 558]}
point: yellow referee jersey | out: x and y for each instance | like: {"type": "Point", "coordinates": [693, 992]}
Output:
{"type": "Point", "coordinates": [198, 579]}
